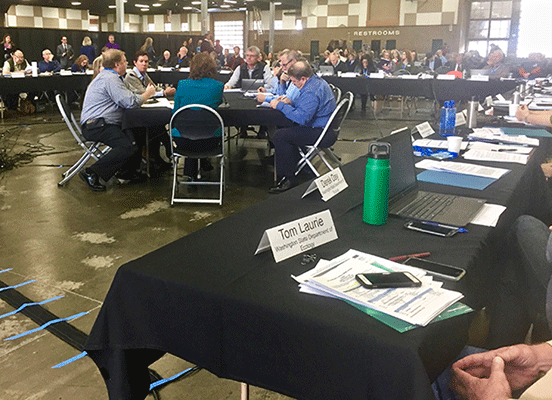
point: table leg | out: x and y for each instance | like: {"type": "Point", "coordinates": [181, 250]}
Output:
{"type": "Point", "coordinates": [244, 391]}
{"type": "Point", "coordinates": [147, 153]}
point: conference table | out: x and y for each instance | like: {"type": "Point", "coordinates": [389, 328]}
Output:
{"type": "Point", "coordinates": [208, 299]}
{"type": "Point", "coordinates": [43, 83]}
{"type": "Point", "coordinates": [438, 89]}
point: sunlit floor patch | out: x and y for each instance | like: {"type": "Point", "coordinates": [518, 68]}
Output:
{"type": "Point", "coordinates": [99, 262]}
{"type": "Point", "coordinates": [95, 238]}
{"type": "Point", "coordinates": [151, 208]}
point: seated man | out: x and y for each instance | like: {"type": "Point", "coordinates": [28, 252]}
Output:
{"type": "Point", "coordinates": [235, 59]}
{"type": "Point", "coordinates": [48, 64]}
{"type": "Point", "coordinates": [137, 80]}
{"type": "Point", "coordinates": [497, 69]}
{"type": "Point", "coordinates": [182, 58]}
{"type": "Point", "coordinates": [311, 111]}
{"type": "Point", "coordinates": [335, 61]}
{"type": "Point", "coordinates": [283, 86]}
{"type": "Point", "coordinates": [16, 63]}
{"type": "Point", "coordinates": [253, 68]}
{"type": "Point", "coordinates": [102, 112]}
{"type": "Point", "coordinates": [166, 61]}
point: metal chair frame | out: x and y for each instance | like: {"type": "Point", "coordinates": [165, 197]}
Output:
{"type": "Point", "coordinates": [176, 156]}
{"type": "Point", "coordinates": [309, 152]}
{"type": "Point", "coordinates": [91, 149]}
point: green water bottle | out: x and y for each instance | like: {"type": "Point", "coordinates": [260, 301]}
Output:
{"type": "Point", "coordinates": [376, 184]}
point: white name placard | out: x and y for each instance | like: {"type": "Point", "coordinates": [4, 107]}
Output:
{"type": "Point", "coordinates": [328, 184]}
{"type": "Point", "coordinates": [460, 119]}
{"type": "Point", "coordinates": [292, 238]}
{"type": "Point", "coordinates": [425, 129]}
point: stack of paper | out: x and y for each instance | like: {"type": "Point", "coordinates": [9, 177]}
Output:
{"type": "Point", "coordinates": [462, 168]}
{"type": "Point", "coordinates": [417, 305]}
{"type": "Point", "coordinates": [496, 135]}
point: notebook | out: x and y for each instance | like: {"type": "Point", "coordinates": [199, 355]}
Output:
{"type": "Point", "coordinates": [405, 198]}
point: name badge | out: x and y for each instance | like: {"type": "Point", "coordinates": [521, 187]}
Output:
{"type": "Point", "coordinates": [328, 185]}
{"type": "Point", "coordinates": [425, 130]}
{"type": "Point", "coordinates": [292, 238]}
{"type": "Point", "coordinates": [460, 119]}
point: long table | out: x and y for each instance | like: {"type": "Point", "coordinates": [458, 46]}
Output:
{"type": "Point", "coordinates": [43, 83]}
{"type": "Point", "coordinates": [440, 90]}
{"type": "Point", "coordinates": [208, 299]}
{"type": "Point", "coordinates": [237, 110]}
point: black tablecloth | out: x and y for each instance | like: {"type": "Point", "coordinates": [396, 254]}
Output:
{"type": "Point", "coordinates": [440, 90]}
{"type": "Point", "coordinates": [43, 83]}
{"type": "Point", "coordinates": [207, 299]}
{"type": "Point", "coordinates": [239, 111]}
{"type": "Point", "coordinates": [173, 77]}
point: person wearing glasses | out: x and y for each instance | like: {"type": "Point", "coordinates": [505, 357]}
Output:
{"type": "Point", "coordinates": [282, 85]}
{"type": "Point", "coordinates": [253, 68]}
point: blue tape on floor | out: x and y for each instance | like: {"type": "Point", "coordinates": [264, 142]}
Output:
{"type": "Point", "coordinates": [6, 270]}
{"type": "Point", "coordinates": [46, 325]}
{"type": "Point", "coordinates": [78, 357]}
{"type": "Point", "coordinates": [16, 286]}
{"type": "Point", "coordinates": [172, 378]}
{"type": "Point", "coordinates": [30, 304]}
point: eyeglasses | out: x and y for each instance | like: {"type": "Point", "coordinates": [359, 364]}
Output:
{"type": "Point", "coordinates": [251, 55]}
{"type": "Point", "coordinates": [286, 64]}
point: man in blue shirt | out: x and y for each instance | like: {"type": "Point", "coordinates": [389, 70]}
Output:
{"type": "Point", "coordinates": [102, 112]}
{"type": "Point", "coordinates": [311, 111]}
{"type": "Point", "coordinates": [48, 64]}
{"type": "Point", "coordinates": [282, 83]}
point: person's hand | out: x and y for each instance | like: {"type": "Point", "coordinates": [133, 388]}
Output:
{"type": "Point", "coordinates": [170, 91]}
{"type": "Point", "coordinates": [261, 98]}
{"type": "Point", "coordinates": [285, 100]}
{"type": "Point", "coordinates": [149, 92]}
{"type": "Point", "coordinates": [261, 90]}
{"type": "Point", "coordinates": [493, 387]}
{"type": "Point", "coordinates": [226, 87]}
{"type": "Point", "coordinates": [522, 113]}
{"type": "Point", "coordinates": [274, 103]}
{"type": "Point", "coordinates": [547, 169]}
{"type": "Point", "coordinates": [284, 78]}
{"type": "Point", "coordinates": [276, 70]}
{"type": "Point", "coordinates": [524, 364]}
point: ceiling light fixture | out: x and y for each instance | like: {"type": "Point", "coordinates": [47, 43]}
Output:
{"type": "Point", "coordinates": [141, 5]}
{"type": "Point", "coordinates": [187, 8]}
{"type": "Point", "coordinates": [196, 3]}
{"type": "Point", "coordinates": [225, 6]}
{"type": "Point", "coordinates": [112, 6]}
{"type": "Point", "coordinates": [277, 3]}
{"type": "Point", "coordinates": [157, 4]}
{"type": "Point", "coordinates": [230, 1]}
{"type": "Point", "coordinates": [76, 3]}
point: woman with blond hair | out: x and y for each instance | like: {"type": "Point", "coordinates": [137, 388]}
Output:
{"type": "Point", "coordinates": [88, 48]}
{"type": "Point", "coordinates": [148, 47]}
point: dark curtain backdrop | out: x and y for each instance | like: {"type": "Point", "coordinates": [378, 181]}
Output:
{"type": "Point", "coordinates": [33, 40]}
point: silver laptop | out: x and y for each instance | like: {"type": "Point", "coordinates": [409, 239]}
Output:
{"type": "Point", "coordinates": [327, 70]}
{"type": "Point", "coordinates": [480, 72]}
{"type": "Point", "coordinates": [251, 85]}
{"type": "Point", "coordinates": [405, 198]}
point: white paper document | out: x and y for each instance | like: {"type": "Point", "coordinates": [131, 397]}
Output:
{"type": "Point", "coordinates": [486, 155]}
{"type": "Point", "coordinates": [462, 168]}
{"type": "Point", "coordinates": [417, 305]}
{"type": "Point", "coordinates": [507, 148]}
{"type": "Point", "coordinates": [488, 215]}
{"type": "Point", "coordinates": [161, 102]}
{"type": "Point", "coordinates": [496, 135]}
{"type": "Point", "coordinates": [436, 144]}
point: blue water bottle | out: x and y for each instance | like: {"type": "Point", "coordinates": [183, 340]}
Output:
{"type": "Point", "coordinates": [451, 119]}
{"type": "Point", "coordinates": [443, 121]}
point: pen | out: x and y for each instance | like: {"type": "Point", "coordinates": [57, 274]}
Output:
{"type": "Point", "coordinates": [403, 258]}
{"type": "Point", "coordinates": [460, 230]}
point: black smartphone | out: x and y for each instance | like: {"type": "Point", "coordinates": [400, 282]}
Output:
{"type": "Point", "coordinates": [441, 270]}
{"type": "Point", "coordinates": [438, 230]}
{"type": "Point", "coordinates": [388, 280]}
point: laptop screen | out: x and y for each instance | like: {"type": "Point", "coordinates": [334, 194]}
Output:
{"type": "Point", "coordinates": [251, 84]}
{"type": "Point", "coordinates": [402, 177]}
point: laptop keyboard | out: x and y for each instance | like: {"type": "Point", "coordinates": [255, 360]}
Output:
{"type": "Point", "coordinates": [427, 206]}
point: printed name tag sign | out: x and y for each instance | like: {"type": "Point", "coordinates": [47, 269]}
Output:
{"type": "Point", "coordinates": [460, 119]}
{"type": "Point", "coordinates": [329, 184]}
{"type": "Point", "coordinates": [292, 238]}
{"type": "Point", "coordinates": [425, 130]}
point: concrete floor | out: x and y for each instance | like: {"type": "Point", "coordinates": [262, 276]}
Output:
{"type": "Point", "coordinates": [71, 241]}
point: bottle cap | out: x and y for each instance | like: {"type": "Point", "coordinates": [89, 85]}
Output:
{"type": "Point", "coordinates": [379, 150]}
